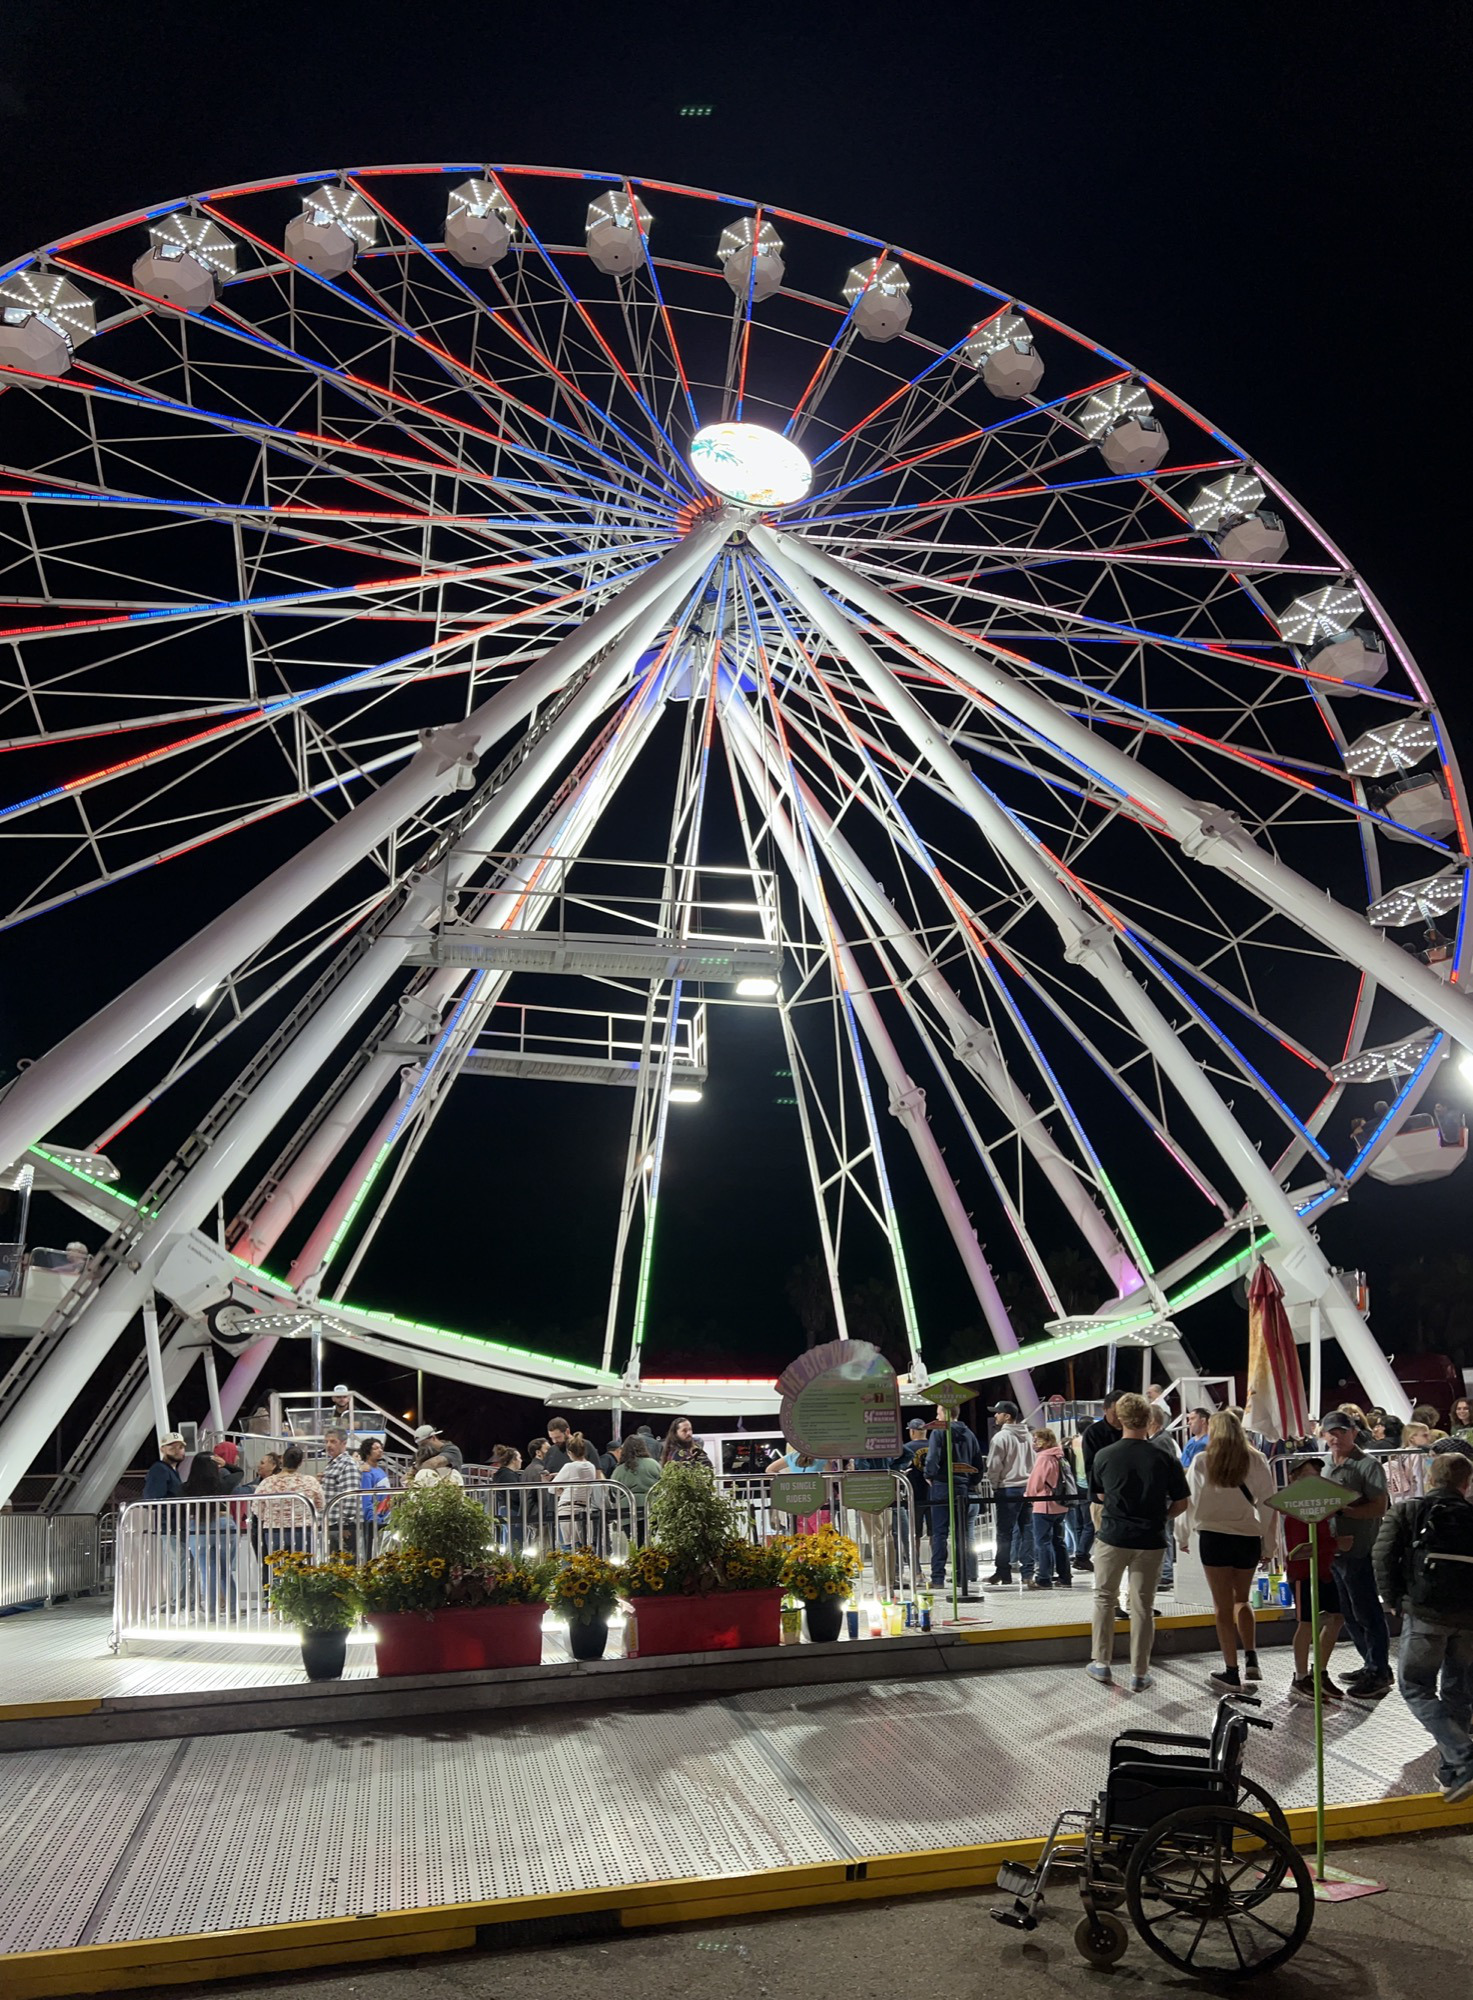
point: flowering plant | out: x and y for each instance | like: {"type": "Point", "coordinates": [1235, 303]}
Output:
{"type": "Point", "coordinates": [584, 1586]}
{"type": "Point", "coordinates": [825, 1564]}
{"type": "Point", "coordinates": [408, 1580]}
{"type": "Point", "coordinates": [313, 1596]}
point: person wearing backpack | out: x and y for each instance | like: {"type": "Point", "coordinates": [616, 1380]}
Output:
{"type": "Point", "coordinates": [1051, 1491]}
{"type": "Point", "coordinates": [1424, 1568]}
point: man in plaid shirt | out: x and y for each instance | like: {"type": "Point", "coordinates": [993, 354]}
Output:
{"type": "Point", "coordinates": [341, 1476]}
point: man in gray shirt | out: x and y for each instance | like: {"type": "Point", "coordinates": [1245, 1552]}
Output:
{"type": "Point", "coordinates": [1355, 1574]}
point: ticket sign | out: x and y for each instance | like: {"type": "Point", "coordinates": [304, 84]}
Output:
{"type": "Point", "coordinates": [870, 1492]}
{"type": "Point", "coordinates": [841, 1400]}
{"type": "Point", "coordinates": [1312, 1499]}
{"type": "Point", "coordinates": [797, 1492]}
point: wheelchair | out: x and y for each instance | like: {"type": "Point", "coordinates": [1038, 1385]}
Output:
{"type": "Point", "coordinates": [1197, 1854]}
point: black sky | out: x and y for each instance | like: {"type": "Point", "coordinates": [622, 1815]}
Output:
{"type": "Point", "coordinates": [1265, 207]}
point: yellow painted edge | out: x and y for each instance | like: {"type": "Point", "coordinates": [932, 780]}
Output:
{"type": "Point", "coordinates": [114, 1968]}
{"type": "Point", "coordinates": [33, 1711]}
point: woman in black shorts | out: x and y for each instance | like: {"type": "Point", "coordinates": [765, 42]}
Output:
{"type": "Point", "coordinates": [1230, 1483]}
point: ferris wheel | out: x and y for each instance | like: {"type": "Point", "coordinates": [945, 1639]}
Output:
{"type": "Point", "coordinates": [993, 720]}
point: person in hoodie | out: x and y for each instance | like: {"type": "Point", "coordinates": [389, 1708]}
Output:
{"type": "Point", "coordinates": [1009, 1463]}
{"type": "Point", "coordinates": [1050, 1550]}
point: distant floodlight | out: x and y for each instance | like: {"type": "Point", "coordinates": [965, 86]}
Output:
{"type": "Point", "coordinates": [204, 999]}
{"type": "Point", "coordinates": [685, 1093]}
{"type": "Point", "coordinates": [756, 989]}
{"type": "Point", "coordinates": [751, 465]}
{"type": "Point", "coordinates": [1465, 1064]}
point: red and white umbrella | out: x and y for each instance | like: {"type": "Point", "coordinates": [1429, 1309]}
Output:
{"type": "Point", "coordinates": [1276, 1401]}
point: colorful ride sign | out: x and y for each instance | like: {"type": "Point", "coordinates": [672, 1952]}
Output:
{"type": "Point", "coordinates": [841, 1400]}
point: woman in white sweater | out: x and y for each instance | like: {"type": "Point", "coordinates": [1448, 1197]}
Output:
{"type": "Point", "coordinates": [1229, 1484]}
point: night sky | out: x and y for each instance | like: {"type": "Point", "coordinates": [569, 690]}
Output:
{"type": "Point", "coordinates": [1264, 207]}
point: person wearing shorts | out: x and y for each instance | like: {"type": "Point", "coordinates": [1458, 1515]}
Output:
{"type": "Point", "coordinates": [1229, 1486]}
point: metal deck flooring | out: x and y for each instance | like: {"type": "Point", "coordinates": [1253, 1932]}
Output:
{"type": "Point", "coordinates": [62, 1654]}
{"type": "Point", "coordinates": [134, 1841]}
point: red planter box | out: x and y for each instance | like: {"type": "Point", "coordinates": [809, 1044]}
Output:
{"type": "Point", "coordinates": [447, 1642]}
{"type": "Point", "coordinates": [715, 1623]}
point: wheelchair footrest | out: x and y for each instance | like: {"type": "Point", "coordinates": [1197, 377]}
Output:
{"type": "Point", "coordinates": [1019, 1918]}
{"type": "Point", "coordinates": [1017, 1880]}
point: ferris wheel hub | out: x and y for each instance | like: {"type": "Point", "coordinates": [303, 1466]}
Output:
{"type": "Point", "coordinates": [750, 465]}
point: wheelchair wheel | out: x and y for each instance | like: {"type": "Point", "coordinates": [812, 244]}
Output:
{"type": "Point", "coordinates": [1102, 1939]}
{"type": "Point", "coordinates": [1253, 1799]}
{"type": "Point", "coordinates": [1213, 1911]}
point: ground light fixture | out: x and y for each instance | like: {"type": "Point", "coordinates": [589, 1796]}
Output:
{"type": "Point", "coordinates": [751, 465]}
{"type": "Point", "coordinates": [685, 1093]}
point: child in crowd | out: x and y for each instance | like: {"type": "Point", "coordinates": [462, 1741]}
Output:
{"type": "Point", "coordinates": [1303, 1541]}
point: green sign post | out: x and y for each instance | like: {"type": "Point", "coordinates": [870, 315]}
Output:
{"type": "Point", "coordinates": [1313, 1500]}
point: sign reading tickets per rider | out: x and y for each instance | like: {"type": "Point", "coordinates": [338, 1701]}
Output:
{"type": "Point", "coordinates": [841, 1400]}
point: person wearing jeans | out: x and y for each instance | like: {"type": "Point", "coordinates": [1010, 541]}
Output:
{"type": "Point", "coordinates": [1354, 1572]}
{"type": "Point", "coordinates": [1423, 1561]}
{"type": "Point", "coordinates": [1050, 1550]}
{"type": "Point", "coordinates": [1137, 1491]}
{"type": "Point", "coordinates": [1009, 1464]}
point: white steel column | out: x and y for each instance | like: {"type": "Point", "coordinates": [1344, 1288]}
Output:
{"type": "Point", "coordinates": [1205, 833]}
{"type": "Point", "coordinates": [158, 1395]}
{"type": "Point", "coordinates": [907, 1099]}
{"type": "Point", "coordinates": [84, 1059]}
{"type": "Point", "coordinates": [1088, 942]}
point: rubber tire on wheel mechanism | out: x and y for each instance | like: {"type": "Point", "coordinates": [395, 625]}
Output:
{"type": "Point", "coordinates": [1282, 1858]}
{"type": "Point", "coordinates": [1102, 1939]}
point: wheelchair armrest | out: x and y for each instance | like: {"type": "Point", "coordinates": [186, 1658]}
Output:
{"type": "Point", "coordinates": [1163, 1736]}
{"type": "Point", "coordinates": [1161, 1775]}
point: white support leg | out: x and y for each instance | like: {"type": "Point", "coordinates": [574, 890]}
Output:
{"type": "Point", "coordinates": [907, 1099]}
{"type": "Point", "coordinates": [84, 1059]}
{"type": "Point", "coordinates": [1205, 833]}
{"type": "Point", "coordinates": [158, 1394]}
{"type": "Point", "coordinates": [1088, 943]}
{"type": "Point", "coordinates": [212, 1385]}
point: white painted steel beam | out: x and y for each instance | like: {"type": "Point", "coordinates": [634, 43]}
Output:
{"type": "Point", "coordinates": [84, 1059]}
{"type": "Point", "coordinates": [1089, 943]}
{"type": "Point", "coordinates": [1205, 833]}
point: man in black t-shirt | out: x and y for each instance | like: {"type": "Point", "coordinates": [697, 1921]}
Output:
{"type": "Point", "coordinates": [1135, 1491]}
{"type": "Point", "coordinates": [1092, 1440]}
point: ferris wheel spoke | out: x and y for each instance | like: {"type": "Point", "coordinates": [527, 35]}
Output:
{"type": "Point", "coordinates": [373, 305]}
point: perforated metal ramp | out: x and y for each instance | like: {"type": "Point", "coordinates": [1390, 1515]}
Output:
{"type": "Point", "coordinates": [162, 1839]}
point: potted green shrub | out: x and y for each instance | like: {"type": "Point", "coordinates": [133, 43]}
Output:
{"type": "Point", "coordinates": [440, 1601]}
{"type": "Point", "coordinates": [821, 1569]}
{"type": "Point", "coordinates": [699, 1586]}
{"type": "Point", "coordinates": [584, 1590]}
{"type": "Point", "coordinates": [322, 1600]}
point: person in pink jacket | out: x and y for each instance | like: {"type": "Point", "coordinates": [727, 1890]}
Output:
{"type": "Point", "coordinates": [1051, 1551]}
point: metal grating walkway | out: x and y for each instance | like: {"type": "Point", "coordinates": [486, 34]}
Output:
{"type": "Point", "coordinates": [116, 1843]}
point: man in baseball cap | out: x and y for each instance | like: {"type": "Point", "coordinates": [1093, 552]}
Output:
{"type": "Point", "coordinates": [162, 1481]}
{"type": "Point", "coordinates": [1009, 1462]}
{"type": "Point", "coordinates": [430, 1442]}
{"type": "Point", "coordinates": [1355, 1576]}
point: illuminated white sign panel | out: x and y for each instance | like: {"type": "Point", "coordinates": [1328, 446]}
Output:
{"type": "Point", "coordinates": [753, 466]}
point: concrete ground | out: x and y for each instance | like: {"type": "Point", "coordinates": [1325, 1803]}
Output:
{"type": "Point", "coordinates": [1412, 1940]}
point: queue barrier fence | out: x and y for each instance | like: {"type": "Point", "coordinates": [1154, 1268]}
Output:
{"type": "Point", "coordinates": [197, 1567]}
{"type": "Point", "coordinates": [46, 1556]}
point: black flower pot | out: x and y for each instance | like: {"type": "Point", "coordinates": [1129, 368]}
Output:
{"type": "Point", "coordinates": [323, 1653]}
{"type": "Point", "coordinates": [587, 1637]}
{"type": "Point", "coordinates": [825, 1619]}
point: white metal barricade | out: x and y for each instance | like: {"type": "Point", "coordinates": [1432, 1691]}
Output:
{"type": "Point", "coordinates": [197, 1568]}
{"type": "Point", "coordinates": [46, 1556]}
{"type": "Point", "coordinates": [887, 1537]}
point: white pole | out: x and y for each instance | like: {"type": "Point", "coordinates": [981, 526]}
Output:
{"type": "Point", "coordinates": [212, 1384]}
{"type": "Point", "coordinates": [1316, 1361]}
{"type": "Point", "coordinates": [907, 1100]}
{"type": "Point", "coordinates": [1089, 943]}
{"type": "Point", "coordinates": [87, 1057]}
{"type": "Point", "coordinates": [158, 1393]}
{"type": "Point", "coordinates": [1205, 833]}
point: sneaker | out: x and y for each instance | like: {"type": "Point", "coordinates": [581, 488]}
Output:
{"type": "Point", "coordinates": [1099, 1673]}
{"type": "Point", "coordinates": [1140, 1682]}
{"type": "Point", "coordinates": [1084, 1563]}
{"type": "Point", "coordinates": [1458, 1789]}
{"type": "Point", "coordinates": [1226, 1681]}
{"type": "Point", "coordinates": [1032, 1583]}
{"type": "Point", "coordinates": [997, 1581]}
{"type": "Point", "coordinates": [1357, 1675]}
{"type": "Point", "coordinates": [1329, 1691]}
{"type": "Point", "coordinates": [1301, 1689]}
{"type": "Point", "coordinates": [1252, 1672]}
{"type": "Point", "coordinates": [1370, 1690]}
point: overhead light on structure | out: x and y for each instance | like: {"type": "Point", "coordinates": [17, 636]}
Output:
{"type": "Point", "coordinates": [756, 989]}
{"type": "Point", "coordinates": [1465, 1064]}
{"type": "Point", "coordinates": [77, 1160]}
{"type": "Point", "coordinates": [1389, 1063]}
{"type": "Point", "coordinates": [751, 465]}
{"type": "Point", "coordinates": [204, 999]}
{"type": "Point", "coordinates": [685, 1093]}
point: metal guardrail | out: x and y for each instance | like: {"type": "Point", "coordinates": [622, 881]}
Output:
{"type": "Point", "coordinates": [197, 1567]}
{"type": "Point", "coordinates": [888, 1543]}
{"type": "Point", "coordinates": [46, 1556]}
